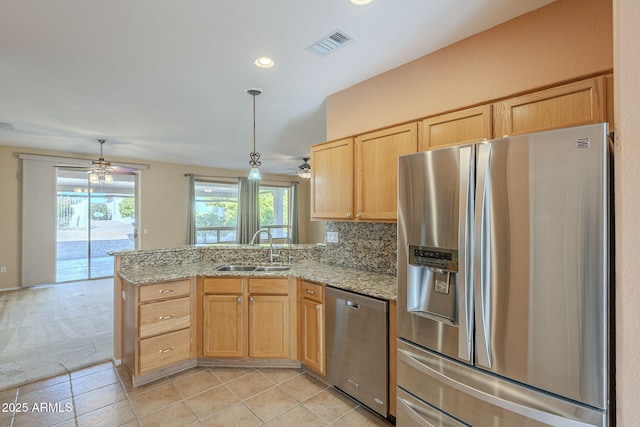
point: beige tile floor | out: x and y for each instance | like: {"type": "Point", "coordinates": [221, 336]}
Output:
{"type": "Point", "coordinates": [102, 395]}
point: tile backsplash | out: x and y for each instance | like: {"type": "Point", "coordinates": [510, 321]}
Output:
{"type": "Point", "coordinates": [363, 245]}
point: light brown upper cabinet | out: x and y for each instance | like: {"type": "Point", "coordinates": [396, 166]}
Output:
{"type": "Point", "coordinates": [574, 104]}
{"type": "Point", "coordinates": [376, 170]}
{"type": "Point", "coordinates": [459, 127]}
{"type": "Point", "coordinates": [608, 88]}
{"type": "Point", "coordinates": [365, 168]}
{"type": "Point", "coordinates": [332, 180]}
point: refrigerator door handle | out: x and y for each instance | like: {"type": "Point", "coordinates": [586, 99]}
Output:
{"type": "Point", "coordinates": [482, 257]}
{"type": "Point", "coordinates": [522, 407]}
{"type": "Point", "coordinates": [465, 239]}
{"type": "Point", "coordinates": [413, 413]}
{"type": "Point", "coordinates": [418, 414]}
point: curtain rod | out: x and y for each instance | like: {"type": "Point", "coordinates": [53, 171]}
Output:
{"type": "Point", "coordinates": [195, 175]}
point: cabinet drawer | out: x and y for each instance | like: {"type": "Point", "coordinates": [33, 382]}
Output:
{"type": "Point", "coordinates": [164, 350]}
{"type": "Point", "coordinates": [166, 316]}
{"type": "Point", "coordinates": [269, 286]}
{"type": "Point", "coordinates": [222, 286]}
{"type": "Point", "coordinates": [166, 290]}
{"type": "Point", "coordinates": [312, 291]}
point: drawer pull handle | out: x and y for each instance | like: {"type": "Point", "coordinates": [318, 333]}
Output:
{"type": "Point", "coordinates": [164, 291]}
{"type": "Point", "coordinates": [318, 307]}
{"type": "Point", "coordinates": [166, 350]}
{"type": "Point", "coordinates": [169, 316]}
{"type": "Point", "coordinates": [239, 299]}
{"type": "Point", "coordinates": [310, 291]}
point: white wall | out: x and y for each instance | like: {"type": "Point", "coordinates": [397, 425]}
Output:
{"type": "Point", "coordinates": [627, 216]}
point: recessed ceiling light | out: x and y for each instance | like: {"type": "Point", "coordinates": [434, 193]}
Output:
{"type": "Point", "coordinates": [264, 62]}
{"type": "Point", "coordinates": [360, 2]}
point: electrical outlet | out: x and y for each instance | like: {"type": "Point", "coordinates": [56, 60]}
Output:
{"type": "Point", "coordinates": [332, 237]}
{"type": "Point", "coordinates": [3, 269]}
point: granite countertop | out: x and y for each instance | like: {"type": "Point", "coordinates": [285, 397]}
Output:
{"type": "Point", "coordinates": [377, 285]}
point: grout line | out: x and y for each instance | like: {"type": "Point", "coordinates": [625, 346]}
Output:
{"type": "Point", "coordinates": [73, 400]}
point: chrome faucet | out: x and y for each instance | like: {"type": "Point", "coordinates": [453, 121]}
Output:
{"type": "Point", "coordinates": [253, 241]}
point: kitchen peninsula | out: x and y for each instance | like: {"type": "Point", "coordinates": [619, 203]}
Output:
{"type": "Point", "coordinates": [176, 308]}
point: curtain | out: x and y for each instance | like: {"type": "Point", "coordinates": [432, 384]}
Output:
{"type": "Point", "coordinates": [39, 197]}
{"type": "Point", "coordinates": [293, 212]}
{"type": "Point", "coordinates": [191, 211]}
{"type": "Point", "coordinates": [248, 208]}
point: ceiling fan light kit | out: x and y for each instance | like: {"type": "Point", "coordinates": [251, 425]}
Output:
{"type": "Point", "coordinates": [254, 156]}
{"type": "Point", "coordinates": [304, 170]}
{"type": "Point", "coordinates": [102, 171]}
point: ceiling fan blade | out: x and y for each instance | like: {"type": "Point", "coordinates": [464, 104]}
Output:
{"type": "Point", "coordinates": [87, 167]}
{"type": "Point", "coordinates": [122, 170]}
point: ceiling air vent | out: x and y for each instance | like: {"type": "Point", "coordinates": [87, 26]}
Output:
{"type": "Point", "coordinates": [330, 43]}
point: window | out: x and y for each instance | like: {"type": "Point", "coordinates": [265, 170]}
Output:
{"type": "Point", "coordinates": [92, 219]}
{"type": "Point", "coordinates": [216, 212]}
{"type": "Point", "coordinates": [274, 210]}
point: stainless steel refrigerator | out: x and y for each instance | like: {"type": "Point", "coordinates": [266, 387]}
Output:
{"type": "Point", "coordinates": [503, 282]}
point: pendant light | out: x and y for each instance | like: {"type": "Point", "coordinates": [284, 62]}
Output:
{"type": "Point", "coordinates": [254, 156]}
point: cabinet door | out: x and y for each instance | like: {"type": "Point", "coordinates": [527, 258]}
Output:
{"type": "Point", "coordinates": [269, 326]}
{"type": "Point", "coordinates": [332, 180]}
{"type": "Point", "coordinates": [312, 327]}
{"type": "Point", "coordinates": [223, 332]}
{"type": "Point", "coordinates": [573, 104]}
{"type": "Point", "coordinates": [460, 127]}
{"type": "Point", "coordinates": [377, 170]}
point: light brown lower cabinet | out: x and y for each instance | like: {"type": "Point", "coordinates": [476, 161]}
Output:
{"type": "Point", "coordinates": [164, 350]}
{"type": "Point", "coordinates": [269, 326]}
{"type": "Point", "coordinates": [157, 325]}
{"type": "Point", "coordinates": [223, 329]}
{"type": "Point", "coordinates": [167, 326]}
{"type": "Point", "coordinates": [246, 317]}
{"type": "Point", "coordinates": [311, 326]}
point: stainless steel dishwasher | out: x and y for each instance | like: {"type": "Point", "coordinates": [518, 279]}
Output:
{"type": "Point", "coordinates": [357, 347]}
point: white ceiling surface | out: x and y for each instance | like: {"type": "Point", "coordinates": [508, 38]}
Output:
{"type": "Point", "coordinates": [165, 80]}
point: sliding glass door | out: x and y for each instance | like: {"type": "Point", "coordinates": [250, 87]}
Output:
{"type": "Point", "coordinates": [92, 220]}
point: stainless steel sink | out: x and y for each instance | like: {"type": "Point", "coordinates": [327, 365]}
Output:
{"type": "Point", "coordinates": [263, 268]}
{"type": "Point", "coordinates": [236, 268]}
{"type": "Point", "coordinates": [273, 268]}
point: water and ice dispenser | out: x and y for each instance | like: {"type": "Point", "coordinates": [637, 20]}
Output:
{"type": "Point", "coordinates": [432, 283]}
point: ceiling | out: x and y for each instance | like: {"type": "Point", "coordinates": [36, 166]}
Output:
{"type": "Point", "coordinates": [165, 80]}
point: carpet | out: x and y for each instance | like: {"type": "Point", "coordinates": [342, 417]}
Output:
{"type": "Point", "coordinates": [54, 329]}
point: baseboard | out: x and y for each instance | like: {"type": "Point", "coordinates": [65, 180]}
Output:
{"type": "Point", "coordinates": [163, 372]}
{"type": "Point", "coordinates": [249, 363]}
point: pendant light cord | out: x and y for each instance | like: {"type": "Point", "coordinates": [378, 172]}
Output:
{"type": "Point", "coordinates": [254, 122]}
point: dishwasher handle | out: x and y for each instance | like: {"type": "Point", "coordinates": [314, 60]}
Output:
{"type": "Point", "coordinates": [355, 301]}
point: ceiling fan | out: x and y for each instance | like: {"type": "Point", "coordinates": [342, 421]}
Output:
{"type": "Point", "coordinates": [304, 170]}
{"type": "Point", "coordinates": [100, 170]}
